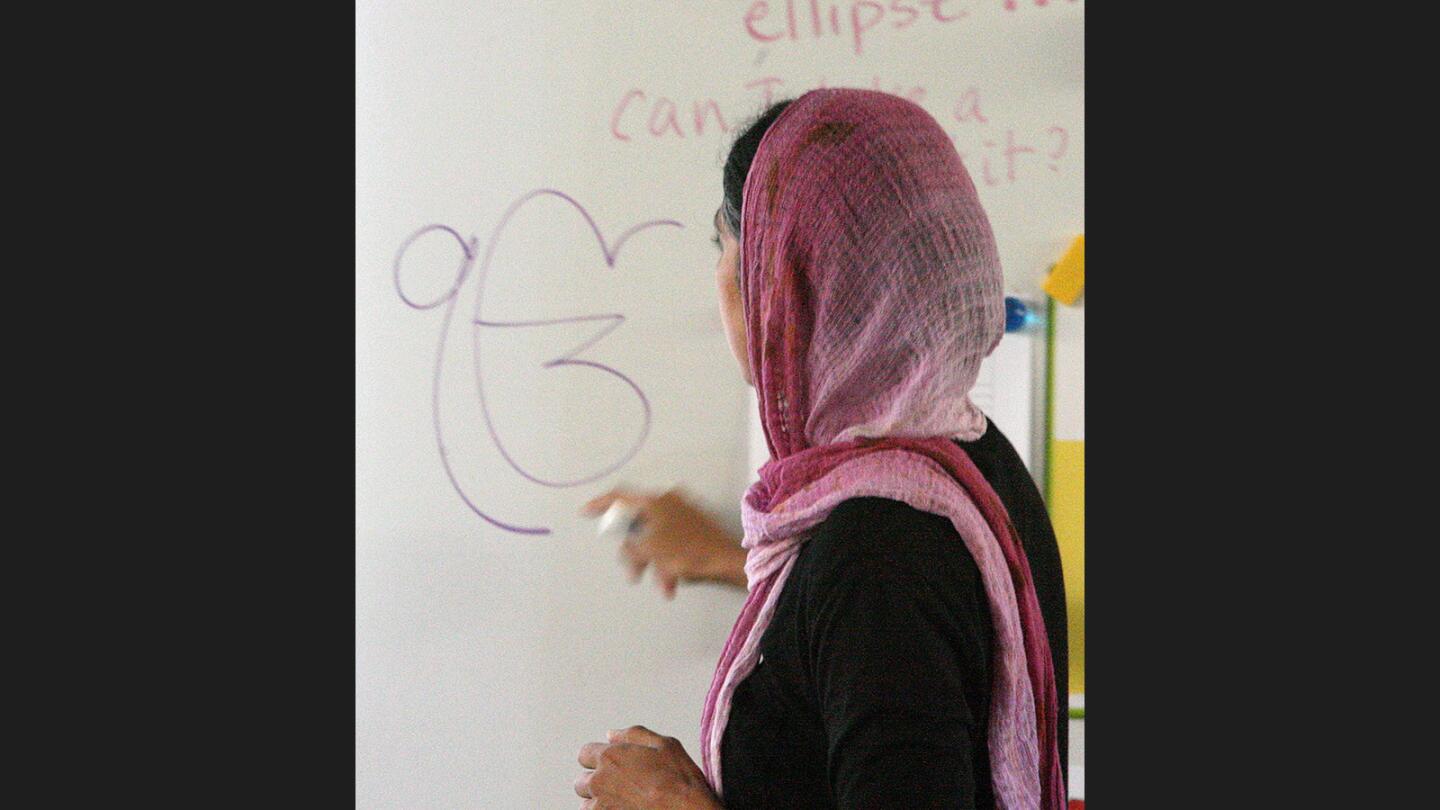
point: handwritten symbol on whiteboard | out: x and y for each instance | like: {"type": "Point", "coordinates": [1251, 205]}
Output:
{"type": "Point", "coordinates": [469, 253]}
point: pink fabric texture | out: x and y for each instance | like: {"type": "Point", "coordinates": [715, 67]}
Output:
{"type": "Point", "coordinates": [872, 291]}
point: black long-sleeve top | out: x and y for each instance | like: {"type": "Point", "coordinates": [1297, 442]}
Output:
{"type": "Point", "coordinates": [873, 687]}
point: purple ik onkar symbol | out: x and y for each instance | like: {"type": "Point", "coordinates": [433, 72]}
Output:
{"type": "Point", "coordinates": [469, 251]}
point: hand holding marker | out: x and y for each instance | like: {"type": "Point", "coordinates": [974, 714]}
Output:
{"type": "Point", "coordinates": [682, 541]}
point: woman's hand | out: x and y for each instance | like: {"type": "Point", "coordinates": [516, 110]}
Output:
{"type": "Point", "coordinates": [641, 770]}
{"type": "Point", "coordinates": [678, 538]}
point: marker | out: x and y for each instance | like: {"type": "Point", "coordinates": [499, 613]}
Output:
{"type": "Point", "coordinates": [621, 519]}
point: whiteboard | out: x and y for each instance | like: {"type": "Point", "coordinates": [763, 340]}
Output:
{"type": "Point", "coordinates": [536, 322]}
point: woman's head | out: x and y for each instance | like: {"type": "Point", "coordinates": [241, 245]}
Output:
{"type": "Point", "coordinates": [869, 286]}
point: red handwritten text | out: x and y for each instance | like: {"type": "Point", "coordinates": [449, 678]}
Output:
{"type": "Point", "coordinates": [659, 117]}
{"type": "Point", "coordinates": [773, 20]}
{"type": "Point", "coordinates": [996, 153]}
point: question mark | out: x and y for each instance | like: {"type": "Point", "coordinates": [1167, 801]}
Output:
{"type": "Point", "coordinates": [1060, 150]}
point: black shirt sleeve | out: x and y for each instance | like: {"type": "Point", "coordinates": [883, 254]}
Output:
{"type": "Point", "coordinates": [897, 634]}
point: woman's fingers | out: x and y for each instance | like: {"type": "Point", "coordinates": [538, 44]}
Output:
{"type": "Point", "coordinates": [667, 583]}
{"type": "Point", "coordinates": [635, 562]}
{"type": "Point", "coordinates": [636, 735]}
{"type": "Point", "coordinates": [625, 495]}
{"type": "Point", "coordinates": [582, 784]}
{"type": "Point", "coordinates": [590, 754]}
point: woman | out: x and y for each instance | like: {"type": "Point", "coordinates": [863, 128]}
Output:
{"type": "Point", "coordinates": [902, 643]}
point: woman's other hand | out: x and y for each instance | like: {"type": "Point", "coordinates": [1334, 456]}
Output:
{"type": "Point", "coordinates": [682, 541]}
{"type": "Point", "coordinates": [638, 769]}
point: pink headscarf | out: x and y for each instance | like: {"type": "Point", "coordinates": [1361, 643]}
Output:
{"type": "Point", "coordinates": [872, 291]}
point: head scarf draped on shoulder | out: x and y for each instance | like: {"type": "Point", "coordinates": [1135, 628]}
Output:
{"type": "Point", "coordinates": [872, 291]}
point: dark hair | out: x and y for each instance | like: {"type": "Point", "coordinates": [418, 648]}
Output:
{"type": "Point", "coordinates": [742, 154]}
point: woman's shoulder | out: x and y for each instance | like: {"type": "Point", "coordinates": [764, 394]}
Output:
{"type": "Point", "coordinates": [876, 567]}
{"type": "Point", "coordinates": [883, 537]}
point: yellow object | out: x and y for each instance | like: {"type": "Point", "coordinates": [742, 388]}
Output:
{"type": "Point", "coordinates": [1067, 513]}
{"type": "Point", "coordinates": [1067, 278]}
